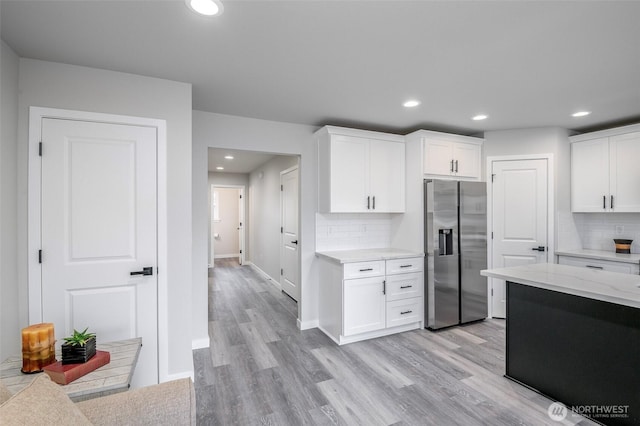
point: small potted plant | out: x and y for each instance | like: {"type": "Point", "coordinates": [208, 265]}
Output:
{"type": "Point", "coordinates": [79, 347]}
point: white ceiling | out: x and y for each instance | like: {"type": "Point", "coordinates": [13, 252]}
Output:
{"type": "Point", "coordinates": [524, 63]}
{"type": "Point", "coordinates": [243, 161]}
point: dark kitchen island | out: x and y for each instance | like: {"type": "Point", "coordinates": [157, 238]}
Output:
{"type": "Point", "coordinates": [573, 334]}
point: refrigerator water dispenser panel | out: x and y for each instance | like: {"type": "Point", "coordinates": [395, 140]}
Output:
{"type": "Point", "coordinates": [445, 242]}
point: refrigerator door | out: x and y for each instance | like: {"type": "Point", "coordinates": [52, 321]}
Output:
{"type": "Point", "coordinates": [441, 225]}
{"type": "Point", "coordinates": [473, 251]}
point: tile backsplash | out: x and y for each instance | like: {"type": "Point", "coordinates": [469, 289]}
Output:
{"type": "Point", "coordinates": [352, 231]}
{"type": "Point", "coordinates": [597, 230]}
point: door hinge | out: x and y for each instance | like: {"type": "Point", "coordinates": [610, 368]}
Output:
{"type": "Point", "coordinates": [39, 256]}
{"type": "Point", "coordinates": [281, 271]}
{"type": "Point", "coordinates": [493, 175]}
{"type": "Point", "coordinates": [240, 251]}
{"type": "Point", "coordinates": [240, 224]}
{"type": "Point", "coordinates": [491, 292]}
{"type": "Point", "coordinates": [40, 149]}
{"type": "Point", "coordinates": [240, 196]}
{"type": "Point", "coordinates": [281, 229]}
{"type": "Point", "coordinates": [281, 187]}
{"type": "Point", "coordinates": [492, 235]}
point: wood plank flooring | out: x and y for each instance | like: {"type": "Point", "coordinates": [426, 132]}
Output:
{"type": "Point", "coordinates": [261, 370]}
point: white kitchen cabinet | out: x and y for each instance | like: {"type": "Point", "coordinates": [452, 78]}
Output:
{"type": "Point", "coordinates": [360, 171]}
{"type": "Point", "coordinates": [363, 300]}
{"type": "Point", "coordinates": [604, 171]}
{"type": "Point", "coordinates": [600, 264]}
{"type": "Point", "coordinates": [451, 156]}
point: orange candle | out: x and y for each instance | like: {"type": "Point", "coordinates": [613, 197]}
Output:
{"type": "Point", "coordinates": [38, 349]}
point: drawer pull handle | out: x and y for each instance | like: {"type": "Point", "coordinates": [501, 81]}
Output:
{"type": "Point", "coordinates": [406, 266]}
{"type": "Point", "coordinates": [405, 312]}
{"type": "Point", "coordinates": [406, 286]}
{"type": "Point", "coordinates": [594, 267]}
{"type": "Point", "coordinates": [366, 269]}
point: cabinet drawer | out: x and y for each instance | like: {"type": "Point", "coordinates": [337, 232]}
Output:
{"type": "Point", "coordinates": [625, 268]}
{"type": "Point", "coordinates": [363, 269]}
{"type": "Point", "coordinates": [401, 266]}
{"type": "Point", "coordinates": [404, 286]}
{"type": "Point", "coordinates": [405, 311]}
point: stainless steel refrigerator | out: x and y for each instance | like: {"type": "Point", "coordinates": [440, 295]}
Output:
{"type": "Point", "coordinates": [456, 251]}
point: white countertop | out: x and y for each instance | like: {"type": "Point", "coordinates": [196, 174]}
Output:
{"type": "Point", "coordinates": [602, 255]}
{"type": "Point", "coordinates": [366, 255]}
{"type": "Point", "coordinates": [622, 289]}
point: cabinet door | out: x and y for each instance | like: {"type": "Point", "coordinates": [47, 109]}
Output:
{"type": "Point", "coordinates": [438, 157]}
{"type": "Point", "coordinates": [349, 174]}
{"type": "Point", "coordinates": [590, 176]}
{"type": "Point", "coordinates": [364, 305]}
{"type": "Point", "coordinates": [386, 176]}
{"type": "Point", "coordinates": [467, 160]}
{"type": "Point", "coordinates": [624, 181]}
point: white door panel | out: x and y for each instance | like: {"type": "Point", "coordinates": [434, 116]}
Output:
{"type": "Point", "coordinates": [289, 280]}
{"type": "Point", "coordinates": [99, 215]}
{"type": "Point", "coordinates": [519, 222]}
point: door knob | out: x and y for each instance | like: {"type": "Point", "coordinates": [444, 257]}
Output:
{"type": "Point", "coordinates": [148, 270]}
{"type": "Point", "coordinates": [294, 242]}
{"type": "Point", "coordinates": [539, 248]}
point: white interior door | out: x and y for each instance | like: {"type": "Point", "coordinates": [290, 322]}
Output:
{"type": "Point", "coordinates": [289, 280]}
{"type": "Point", "coordinates": [99, 225]}
{"type": "Point", "coordinates": [241, 225]}
{"type": "Point", "coordinates": [519, 219]}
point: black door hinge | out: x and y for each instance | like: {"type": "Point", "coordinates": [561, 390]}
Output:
{"type": "Point", "coordinates": [281, 229]}
{"type": "Point", "coordinates": [281, 271]}
{"type": "Point", "coordinates": [281, 187]}
{"type": "Point", "coordinates": [493, 176]}
{"type": "Point", "coordinates": [240, 251]}
{"type": "Point", "coordinates": [39, 256]}
{"type": "Point", "coordinates": [240, 196]}
{"type": "Point", "coordinates": [40, 149]}
{"type": "Point", "coordinates": [492, 235]}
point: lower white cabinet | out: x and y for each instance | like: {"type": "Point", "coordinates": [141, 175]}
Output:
{"type": "Point", "coordinates": [599, 264]}
{"type": "Point", "coordinates": [363, 300]}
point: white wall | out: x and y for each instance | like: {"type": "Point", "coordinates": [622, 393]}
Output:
{"type": "Point", "coordinates": [48, 84]}
{"type": "Point", "coordinates": [349, 231]}
{"type": "Point", "coordinates": [225, 228]}
{"type": "Point", "coordinates": [10, 315]}
{"type": "Point", "coordinates": [225, 131]}
{"type": "Point", "coordinates": [551, 140]}
{"type": "Point", "coordinates": [241, 179]}
{"type": "Point", "coordinates": [597, 230]}
{"type": "Point", "coordinates": [264, 211]}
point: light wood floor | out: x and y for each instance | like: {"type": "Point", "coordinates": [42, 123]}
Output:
{"type": "Point", "coordinates": [261, 370]}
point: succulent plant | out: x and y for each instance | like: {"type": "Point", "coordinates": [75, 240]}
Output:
{"type": "Point", "coordinates": [79, 338]}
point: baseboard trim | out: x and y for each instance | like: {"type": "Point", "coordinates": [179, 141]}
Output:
{"type": "Point", "coordinates": [306, 325]}
{"type": "Point", "coordinates": [226, 256]}
{"type": "Point", "coordinates": [200, 343]}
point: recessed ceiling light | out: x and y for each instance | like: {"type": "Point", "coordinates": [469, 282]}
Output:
{"type": "Point", "coordinates": [411, 104]}
{"type": "Point", "coordinates": [228, 157]}
{"type": "Point", "coordinates": [480, 117]}
{"type": "Point", "coordinates": [580, 113]}
{"type": "Point", "coordinates": [219, 168]}
{"type": "Point", "coordinates": [205, 7]}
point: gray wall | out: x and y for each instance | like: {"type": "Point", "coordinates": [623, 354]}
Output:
{"type": "Point", "coordinates": [225, 131]}
{"type": "Point", "coordinates": [264, 202]}
{"type": "Point", "coordinates": [10, 315]}
{"type": "Point", "coordinates": [48, 84]}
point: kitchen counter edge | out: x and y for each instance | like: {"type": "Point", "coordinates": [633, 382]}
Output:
{"type": "Point", "coordinates": [633, 258]}
{"type": "Point", "coordinates": [366, 255]}
{"type": "Point", "coordinates": [613, 287]}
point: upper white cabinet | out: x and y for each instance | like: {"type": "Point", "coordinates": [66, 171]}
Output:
{"type": "Point", "coordinates": [451, 156]}
{"type": "Point", "coordinates": [604, 171]}
{"type": "Point", "coordinates": [360, 171]}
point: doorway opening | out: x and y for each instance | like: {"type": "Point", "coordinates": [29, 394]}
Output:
{"type": "Point", "coordinates": [227, 223]}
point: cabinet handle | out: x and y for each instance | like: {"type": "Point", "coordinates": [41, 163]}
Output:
{"type": "Point", "coordinates": [456, 166]}
{"type": "Point", "coordinates": [368, 199]}
{"type": "Point", "coordinates": [451, 166]}
{"type": "Point", "coordinates": [405, 312]}
{"type": "Point", "coordinates": [406, 266]}
{"type": "Point", "coordinates": [374, 202]}
{"type": "Point", "coordinates": [604, 202]}
{"type": "Point", "coordinates": [366, 269]}
{"type": "Point", "coordinates": [611, 202]}
{"type": "Point", "coordinates": [594, 267]}
{"type": "Point", "coordinates": [406, 286]}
